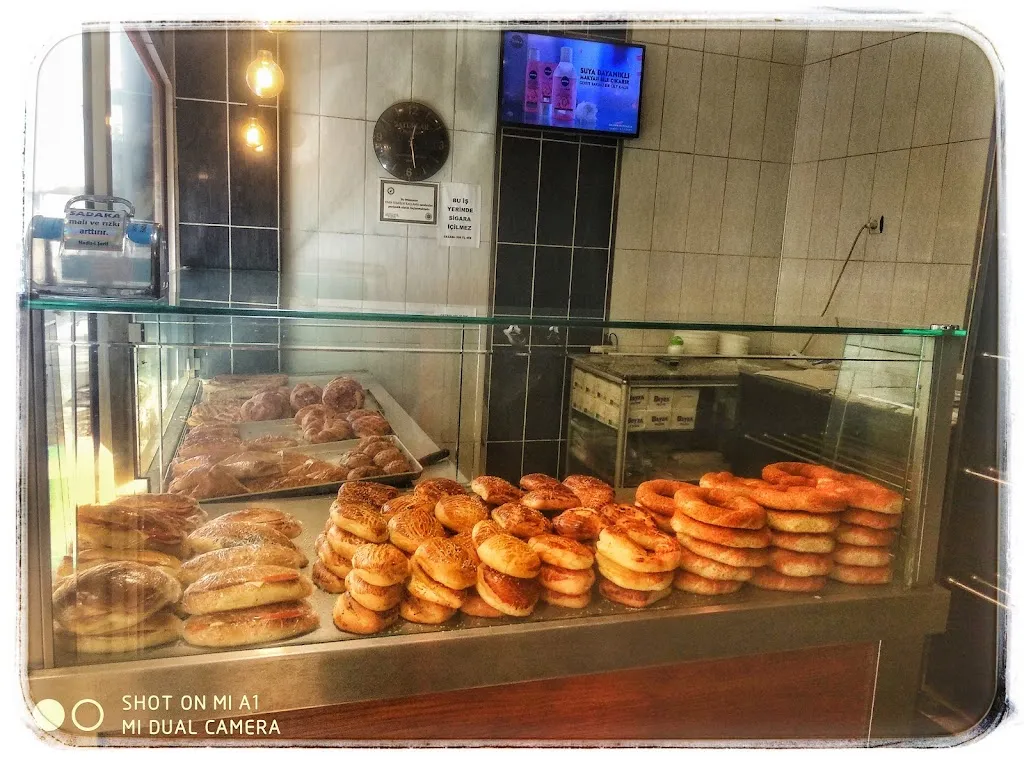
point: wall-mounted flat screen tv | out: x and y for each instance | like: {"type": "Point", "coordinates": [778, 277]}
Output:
{"type": "Point", "coordinates": [566, 83]}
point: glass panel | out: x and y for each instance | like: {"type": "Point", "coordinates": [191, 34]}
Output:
{"type": "Point", "coordinates": [134, 133]}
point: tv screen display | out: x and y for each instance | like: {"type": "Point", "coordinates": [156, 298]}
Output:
{"type": "Point", "coordinates": [558, 82]}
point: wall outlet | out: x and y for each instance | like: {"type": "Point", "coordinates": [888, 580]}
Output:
{"type": "Point", "coordinates": [876, 226]}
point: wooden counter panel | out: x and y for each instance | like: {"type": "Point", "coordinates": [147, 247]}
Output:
{"type": "Point", "coordinates": [819, 693]}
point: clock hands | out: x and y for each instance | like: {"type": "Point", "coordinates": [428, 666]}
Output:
{"type": "Point", "coordinates": [412, 146]}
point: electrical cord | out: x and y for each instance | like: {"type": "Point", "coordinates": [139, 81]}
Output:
{"type": "Point", "coordinates": [835, 286]}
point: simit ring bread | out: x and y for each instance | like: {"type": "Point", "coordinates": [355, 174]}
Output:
{"type": "Point", "coordinates": [371, 596]}
{"type": "Point", "coordinates": [712, 569]}
{"type": "Point", "coordinates": [717, 506]}
{"type": "Point", "coordinates": [639, 548]}
{"type": "Point", "coordinates": [801, 522]}
{"type": "Point", "coordinates": [591, 491]}
{"type": "Point", "coordinates": [613, 514]}
{"type": "Point", "coordinates": [658, 495]}
{"type": "Point", "coordinates": [687, 581]}
{"type": "Point", "coordinates": [801, 564]}
{"type": "Point", "coordinates": [864, 494]}
{"type": "Point", "coordinates": [820, 543]}
{"type": "Point", "coordinates": [508, 594]}
{"type": "Point", "coordinates": [864, 537]}
{"type": "Point", "coordinates": [631, 597]}
{"type": "Point", "coordinates": [447, 562]}
{"type": "Point", "coordinates": [245, 586]}
{"type": "Point", "coordinates": [871, 557]}
{"type": "Point", "coordinates": [246, 626]}
{"type": "Point", "coordinates": [280, 521]}
{"type": "Point", "coordinates": [716, 534]}
{"type": "Point", "coordinates": [869, 519]}
{"type": "Point", "coordinates": [112, 596]}
{"type": "Point", "coordinates": [359, 519]}
{"type": "Point", "coordinates": [380, 564]}
{"type": "Point", "coordinates": [766, 578]}
{"type": "Point", "coordinates": [245, 554]}
{"type": "Point", "coordinates": [460, 512]}
{"type": "Point", "coordinates": [520, 520]}
{"type": "Point", "coordinates": [420, 611]}
{"type": "Point", "coordinates": [857, 574]}
{"type": "Point", "coordinates": [560, 551]}
{"type": "Point", "coordinates": [632, 580]}
{"type": "Point", "coordinates": [494, 490]}
{"type": "Point", "coordinates": [565, 580]}
{"type": "Point", "coordinates": [508, 555]}
{"type": "Point", "coordinates": [737, 556]}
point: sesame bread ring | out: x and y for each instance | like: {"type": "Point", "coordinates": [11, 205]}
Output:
{"type": "Point", "coordinates": [537, 480]}
{"type": "Point", "coordinates": [327, 580]}
{"type": "Point", "coordinates": [371, 596]}
{"type": "Point", "coordinates": [687, 581]}
{"type": "Point", "coordinates": [640, 548]}
{"type": "Point", "coordinates": [280, 521]}
{"type": "Point", "coordinates": [728, 537]}
{"type": "Point", "coordinates": [424, 587]}
{"type": "Point", "coordinates": [554, 499]}
{"type": "Point", "coordinates": [483, 531]}
{"type": "Point", "coordinates": [508, 594]}
{"type": "Point", "coordinates": [331, 560]}
{"type": "Point", "coordinates": [460, 512]}
{"type": "Point", "coordinates": [520, 520]}
{"type": "Point", "coordinates": [474, 605]}
{"type": "Point", "coordinates": [420, 611]}
{"type": "Point", "coordinates": [350, 616]}
{"type": "Point", "coordinates": [801, 522]}
{"type": "Point", "coordinates": [447, 562]}
{"type": "Point", "coordinates": [864, 537]}
{"type": "Point", "coordinates": [565, 580]}
{"type": "Point", "coordinates": [871, 557]}
{"type": "Point", "coordinates": [509, 555]}
{"type": "Point", "coordinates": [657, 495]}
{"type": "Point", "coordinates": [359, 519]}
{"type": "Point", "coordinates": [766, 578]}
{"type": "Point", "coordinates": [717, 506]}
{"type": "Point", "coordinates": [342, 542]}
{"type": "Point", "coordinates": [661, 522]}
{"type": "Point", "coordinates": [613, 514]}
{"type": "Point", "coordinates": [864, 494]}
{"type": "Point", "coordinates": [729, 481]}
{"type": "Point", "coordinates": [630, 597]}
{"type": "Point", "coordinates": [869, 519]}
{"type": "Point", "coordinates": [551, 597]}
{"type": "Point", "coordinates": [818, 500]}
{"type": "Point", "coordinates": [857, 574]}
{"type": "Point", "coordinates": [785, 472]}
{"type": "Point", "coordinates": [735, 556]}
{"type": "Point", "coordinates": [437, 487]}
{"type": "Point", "coordinates": [801, 564]}
{"type": "Point", "coordinates": [579, 523]}
{"type": "Point", "coordinates": [367, 492]}
{"type": "Point", "coordinates": [633, 580]}
{"type": "Point", "coordinates": [560, 551]}
{"type": "Point", "coordinates": [265, 624]}
{"type": "Point", "coordinates": [402, 503]}
{"type": "Point", "coordinates": [591, 491]}
{"type": "Point", "coordinates": [380, 564]}
{"type": "Point", "coordinates": [712, 569]}
{"type": "Point", "coordinates": [495, 490]}
{"type": "Point", "coordinates": [820, 543]}
{"type": "Point", "coordinates": [410, 528]}
{"type": "Point", "coordinates": [245, 586]}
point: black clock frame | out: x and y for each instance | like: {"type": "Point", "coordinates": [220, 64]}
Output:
{"type": "Point", "coordinates": [411, 141]}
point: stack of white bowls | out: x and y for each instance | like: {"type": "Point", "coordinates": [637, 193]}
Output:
{"type": "Point", "coordinates": [698, 342]}
{"type": "Point", "coordinates": [733, 344]}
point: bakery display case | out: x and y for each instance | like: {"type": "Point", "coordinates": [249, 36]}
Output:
{"type": "Point", "coordinates": [419, 379]}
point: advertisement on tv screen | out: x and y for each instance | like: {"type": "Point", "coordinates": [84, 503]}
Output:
{"type": "Point", "coordinates": [562, 82]}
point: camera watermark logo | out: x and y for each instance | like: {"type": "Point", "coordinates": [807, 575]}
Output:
{"type": "Point", "coordinates": [49, 714]}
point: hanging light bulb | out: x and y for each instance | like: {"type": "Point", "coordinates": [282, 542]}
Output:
{"type": "Point", "coordinates": [263, 76]}
{"type": "Point", "coordinates": [255, 136]}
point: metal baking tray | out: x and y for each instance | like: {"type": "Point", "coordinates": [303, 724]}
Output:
{"type": "Point", "coordinates": [331, 452]}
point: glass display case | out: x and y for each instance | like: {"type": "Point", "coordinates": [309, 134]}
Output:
{"type": "Point", "coordinates": [882, 409]}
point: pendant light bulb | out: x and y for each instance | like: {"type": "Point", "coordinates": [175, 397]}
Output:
{"type": "Point", "coordinates": [263, 76]}
{"type": "Point", "coordinates": [255, 136]}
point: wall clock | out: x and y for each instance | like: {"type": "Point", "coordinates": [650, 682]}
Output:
{"type": "Point", "coordinates": [411, 141]}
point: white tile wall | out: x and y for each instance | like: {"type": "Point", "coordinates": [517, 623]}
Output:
{"type": "Point", "coordinates": [433, 70]}
{"type": "Point", "coordinates": [770, 212]}
{"type": "Point", "coordinates": [899, 107]}
{"type": "Point", "coordinates": [921, 207]}
{"type": "Point", "coordinates": [637, 185]}
{"type": "Point", "coordinates": [835, 129]}
{"type": "Point", "coordinates": [938, 86]}
{"type": "Point", "coordinates": [780, 118]}
{"type": "Point", "coordinates": [813, 91]}
{"type": "Point", "coordinates": [975, 95]}
{"type": "Point", "coordinates": [682, 94]}
{"type": "Point", "coordinates": [757, 44]}
{"type": "Point", "coordinates": [707, 194]}
{"type": "Point", "coordinates": [714, 114]}
{"type": "Point", "coordinates": [869, 95]}
{"type": "Point", "coordinates": [388, 69]}
{"type": "Point", "coordinates": [748, 112]}
{"type": "Point", "coordinates": [671, 202]}
{"type": "Point", "coordinates": [342, 75]}
{"type": "Point", "coordinates": [828, 196]}
{"type": "Point", "coordinates": [738, 207]}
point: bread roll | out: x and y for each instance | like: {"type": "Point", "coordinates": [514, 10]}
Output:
{"type": "Point", "coordinates": [510, 595]}
{"type": "Point", "coordinates": [280, 521]}
{"type": "Point", "coordinates": [245, 586]}
{"type": "Point", "coordinates": [560, 551]}
{"type": "Point", "coordinates": [246, 554]}
{"type": "Point", "coordinates": [495, 490]}
{"type": "Point", "coordinates": [579, 523]}
{"type": "Point", "coordinates": [474, 605]}
{"type": "Point", "coordinates": [160, 628]}
{"type": "Point", "coordinates": [422, 612]}
{"type": "Point", "coordinates": [551, 597]}
{"type": "Point", "coordinates": [424, 587]}
{"type": "Point", "coordinates": [327, 580]}
{"type": "Point", "coordinates": [556, 499]}
{"type": "Point", "coordinates": [218, 535]}
{"type": "Point", "coordinates": [248, 626]}
{"type": "Point", "coordinates": [403, 503]}
{"type": "Point", "coordinates": [410, 528]}
{"type": "Point", "coordinates": [565, 580]}
{"type": "Point", "coordinates": [360, 519]}
{"type": "Point", "coordinates": [331, 560]}
{"type": "Point", "coordinates": [613, 514]}
{"type": "Point", "coordinates": [639, 548]}
{"type": "Point", "coordinates": [484, 530]}
{"type": "Point", "coordinates": [380, 564]}
{"type": "Point", "coordinates": [687, 581]}
{"type": "Point", "coordinates": [434, 488]}
{"type": "Point", "coordinates": [342, 542]}
{"type": "Point", "coordinates": [350, 616]}
{"type": "Point", "coordinates": [447, 562]}
{"type": "Point", "coordinates": [537, 480]}
{"type": "Point", "coordinates": [87, 558]}
{"type": "Point", "coordinates": [630, 597]}
{"type": "Point", "coordinates": [591, 491]}
{"type": "Point", "coordinates": [509, 555]}
{"type": "Point", "coordinates": [371, 596]}
{"type": "Point", "coordinates": [520, 520]}
{"type": "Point", "coordinates": [112, 596]}
{"type": "Point", "coordinates": [460, 512]}
{"type": "Point", "coordinates": [367, 492]}
{"type": "Point", "coordinates": [632, 580]}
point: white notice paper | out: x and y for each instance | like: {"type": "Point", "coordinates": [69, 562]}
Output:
{"type": "Point", "coordinates": [460, 215]}
{"type": "Point", "coordinates": [408, 202]}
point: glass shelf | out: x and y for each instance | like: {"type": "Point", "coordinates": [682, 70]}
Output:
{"type": "Point", "coordinates": [201, 293]}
